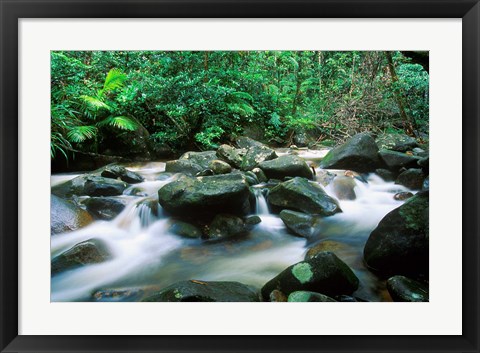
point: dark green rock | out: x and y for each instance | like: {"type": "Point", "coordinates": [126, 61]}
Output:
{"type": "Point", "coordinates": [205, 172]}
{"type": "Point", "coordinates": [231, 155]}
{"type": "Point", "coordinates": [306, 296]}
{"type": "Point", "coordinates": [66, 216]}
{"type": "Point", "coordinates": [411, 178]}
{"type": "Point", "coordinates": [105, 208]}
{"type": "Point", "coordinates": [251, 178]}
{"type": "Point", "coordinates": [325, 273]}
{"type": "Point", "coordinates": [246, 142]}
{"type": "Point", "coordinates": [219, 167]}
{"type": "Point", "coordinates": [185, 229]}
{"type": "Point", "coordinates": [99, 186]}
{"type": "Point", "coordinates": [397, 160]}
{"type": "Point", "coordinates": [225, 226]}
{"type": "Point", "coordinates": [255, 155]}
{"type": "Point", "coordinates": [303, 195]}
{"type": "Point", "coordinates": [360, 153]}
{"type": "Point", "coordinates": [91, 251]}
{"type": "Point", "coordinates": [385, 174]}
{"type": "Point", "coordinates": [261, 177]}
{"type": "Point", "coordinates": [205, 195]}
{"type": "Point", "coordinates": [286, 166]}
{"type": "Point", "coordinates": [399, 244]}
{"type": "Point", "coordinates": [202, 159]}
{"type": "Point", "coordinates": [252, 221]}
{"type": "Point", "coordinates": [403, 289]}
{"type": "Point", "coordinates": [300, 224]}
{"type": "Point", "coordinates": [184, 166]}
{"type": "Point", "coordinates": [200, 291]}
{"type": "Point", "coordinates": [396, 142]}
{"type": "Point", "coordinates": [116, 171]}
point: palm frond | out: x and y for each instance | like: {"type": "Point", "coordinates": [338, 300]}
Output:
{"type": "Point", "coordinates": [115, 79]}
{"type": "Point", "coordinates": [81, 133]}
{"type": "Point", "coordinates": [94, 103]}
{"type": "Point", "coordinates": [120, 122]}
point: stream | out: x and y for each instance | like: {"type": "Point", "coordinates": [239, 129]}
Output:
{"type": "Point", "coordinates": [147, 257]}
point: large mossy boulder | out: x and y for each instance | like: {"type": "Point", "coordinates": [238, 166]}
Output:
{"type": "Point", "coordinates": [303, 195]}
{"type": "Point", "coordinates": [360, 153]}
{"type": "Point", "coordinates": [403, 289]}
{"type": "Point", "coordinates": [203, 159]}
{"type": "Point", "coordinates": [184, 166]}
{"type": "Point", "coordinates": [100, 186]}
{"type": "Point", "coordinates": [200, 291]}
{"type": "Point", "coordinates": [396, 142]}
{"type": "Point", "coordinates": [231, 155]}
{"type": "Point", "coordinates": [218, 166]}
{"type": "Point", "coordinates": [399, 244]}
{"type": "Point", "coordinates": [208, 195]}
{"type": "Point", "coordinates": [397, 160]}
{"type": "Point", "coordinates": [92, 251]}
{"type": "Point", "coordinates": [325, 273]}
{"type": "Point", "coordinates": [66, 216]}
{"type": "Point", "coordinates": [301, 224]}
{"type": "Point", "coordinates": [286, 166]}
{"type": "Point", "coordinates": [104, 208]}
{"type": "Point", "coordinates": [255, 155]}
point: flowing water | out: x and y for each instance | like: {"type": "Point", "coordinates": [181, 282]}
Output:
{"type": "Point", "coordinates": [147, 256]}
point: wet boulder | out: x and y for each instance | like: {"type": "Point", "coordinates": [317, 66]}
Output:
{"type": "Point", "coordinates": [325, 273]}
{"type": "Point", "coordinates": [301, 224]}
{"type": "Point", "coordinates": [302, 195]}
{"type": "Point", "coordinates": [118, 295]}
{"type": "Point", "coordinates": [92, 251]}
{"type": "Point", "coordinates": [424, 164]}
{"type": "Point", "coordinates": [411, 178]}
{"type": "Point", "coordinates": [231, 155]}
{"type": "Point", "coordinates": [66, 216]}
{"type": "Point", "coordinates": [261, 177]}
{"type": "Point", "coordinates": [344, 188]}
{"type": "Point", "coordinates": [385, 174]}
{"type": "Point", "coordinates": [205, 195]}
{"type": "Point", "coordinates": [225, 226]}
{"type": "Point", "coordinates": [118, 172]}
{"type": "Point", "coordinates": [247, 142]}
{"type": "Point", "coordinates": [251, 178]}
{"type": "Point", "coordinates": [202, 159]}
{"type": "Point", "coordinates": [306, 296]}
{"type": "Point", "coordinates": [255, 155]}
{"type": "Point", "coordinates": [360, 153]}
{"type": "Point", "coordinates": [200, 291]}
{"type": "Point", "coordinates": [286, 166]}
{"type": "Point", "coordinates": [219, 167]}
{"type": "Point", "coordinates": [185, 229]}
{"type": "Point", "coordinates": [105, 208]}
{"type": "Point", "coordinates": [396, 142]}
{"type": "Point", "coordinates": [399, 244]}
{"type": "Point", "coordinates": [403, 289]}
{"type": "Point", "coordinates": [183, 166]}
{"type": "Point", "coordinates": [397, 160]}
{"type": "Point", "coordinates": [100, 186]}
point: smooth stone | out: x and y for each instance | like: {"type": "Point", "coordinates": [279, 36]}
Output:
{"type": "Point", "coordinates": [306, 296]}
{"type": "Point", "coordinates": [202, 159]}
{"type": "Point", "coordinates": [185, 229]}
{"type": "Point", "coordinates": [403, 289]}
{"type": "Point", "coordinates": [105, 208]}
{"type": "Point", "coordinates": [183, 166]}
{"type": "Point", "coordinates": [411, 178]}
{"type": "Point", "coordinates": [225, 226]}
{"type": "Point", "coordinates": [396, 142]}
{"type": "Point", "coordinates": [286, 166]}
{"type": "Point", "coordinates": [219, 167]}
{"type": "Point", "coordinates": [66, 216]}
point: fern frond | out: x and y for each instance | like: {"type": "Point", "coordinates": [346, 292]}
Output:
{"type": "Point", "coordinates": [81, 133]}
{"type": "Point", "coordinates": [242, 95]}
{"type": "Point", "coordinates": [115, 79]}
{"type": "Point", "coordinates": [242, 109]}
{"type": "Point", "coordinates": [120, 122]}
{"type": "Point", "coordinates": [94, 103]}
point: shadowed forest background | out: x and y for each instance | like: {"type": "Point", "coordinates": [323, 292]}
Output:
{"type": "Point", "coordinates": [146, 105]}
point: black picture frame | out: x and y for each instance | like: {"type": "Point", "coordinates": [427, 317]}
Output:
{"type": "Point", "coordinates": [12, 11]}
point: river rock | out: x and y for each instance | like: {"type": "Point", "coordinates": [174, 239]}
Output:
{"type": "Point", "coordinates": [225, 226]}
{"type": "Point", "coordinates": [100, 186]}
{"type": "Point", "coordinates": [117, 295]}
{"type": "Point", "coordinates": [411, 178]}
{"type": "Point", "coordinates": [66, 216]}
{"type": "Point", "coordinates": [219, 167]}
{"type": "Point", "coordinates": [402, 196]}
{"type": "Point", "coordinates": [261, 177]}
{"type": "Point", "coordinates": [255, 155]}
{"type": "Point", "coordinates": [231, 155]}
{"type": "Point", "coordinates": [184, 166]}
{"type": "Point", "coordinates": [403, 289]}
{"type": "Point", "coordinates": [399, 244]}
{"type": "Point", "coordinates": [116, 171]}
{"type": "Point", "coordinates": [251, 178]}
{"type": "Point", "coordinates": [247, 142]}
{"type": "Point", "coordinates": [278, 297]}
{"type": "Point", "coordinates": [303, 195]}
{"type": "Point", "coordinates": [325, 177]}
{"type": "Point", "coordinates": [200, 291]}
{"type": "Point", "coordinates": [324, 273]}
{"type": "Point", "coordinates": [206, 195]}
{"type": "Point", "coordinates": [385, 174]}
{"type": "Point", "coordinates": [202, 159]}
{"type": "Point", "coordinates": [105, 208]}
{"type": "Point", "coordinates": [424, 164]}
{"type": "Point", "coordinates": [344, 188]}
{"type": "Point", "coordinates": [185, 229]}
{"type": "Point", "coordinates": [300, 224]}
{"type": "Point", "coordinates": [306, 296]}
{"type": "Point", "coordinates": [286, 166]}
{"type": "Point", "coordinates": [91, 251]}
{"type": "Point", "coordinates": [360, 153]}
{"type": "Point", "coordinates": [397, 160]}
{"type": "Point", "coordinates": [396, 142]}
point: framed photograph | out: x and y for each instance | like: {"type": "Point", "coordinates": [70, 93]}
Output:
{"type": "Point", "coordinates": [239, 176]}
